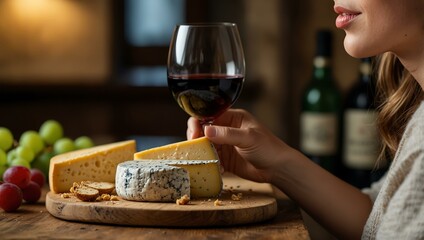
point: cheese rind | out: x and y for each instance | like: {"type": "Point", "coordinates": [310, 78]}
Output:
{"type": "Point", "coordinates": [91, 164]}
{"type": "Point", "coordinates": [195, 149]}
{"type": "Point", "coordinates": [151, 181]}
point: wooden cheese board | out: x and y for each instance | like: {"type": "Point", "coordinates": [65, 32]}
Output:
{"type": "Point", "coordinates": [256, 204]}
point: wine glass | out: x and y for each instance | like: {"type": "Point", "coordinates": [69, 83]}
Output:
{"type": "Point", "coordinates": [206, 68]}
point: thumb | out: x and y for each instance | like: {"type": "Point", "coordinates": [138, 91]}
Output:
{"type": "Point", "coordinates": [229, 136]}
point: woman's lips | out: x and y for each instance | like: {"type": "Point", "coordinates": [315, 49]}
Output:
{"type": "Point", "coordinates": [345, 16]}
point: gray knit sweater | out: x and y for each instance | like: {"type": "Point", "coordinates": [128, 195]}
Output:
{"type": "Point", "coordinates": [398, 211]}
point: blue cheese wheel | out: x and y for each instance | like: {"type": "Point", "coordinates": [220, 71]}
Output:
{"type": "Point", "coordinates": [151, 181]}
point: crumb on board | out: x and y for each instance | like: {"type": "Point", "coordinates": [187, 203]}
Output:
{"type": "Point", "coordinates": [184, 200]}
{"type": "Point", "coordinates": [114, 198]}
{"type": "Point", "coordinates": [217, 203]}
{"type": "Point", "coordinates": [74, 186]}
{"type": "Point", "coordinates": [237, 197]}
{"type": "Point", "coordinates": [66, 195]}
{"type": "Point", "coordinates": [105, 197]}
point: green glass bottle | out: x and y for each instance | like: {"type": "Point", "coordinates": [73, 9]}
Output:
{"type": "Point", "coordinates": [361, 142]}
{"type": "Point", "coordinates": [321, 110]}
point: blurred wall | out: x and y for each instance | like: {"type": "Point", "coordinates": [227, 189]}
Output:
{"type": "Point", "coordinates": [60, 41]}
{"type": "Point", "coordinates": [70, 41]}
{"type": "Point", "coordinates": [280, 51]}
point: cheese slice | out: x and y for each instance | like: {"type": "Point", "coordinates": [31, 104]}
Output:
{"type": "Point", "coordinates": [196, 149]}
{"type": "Point", "coordinates": [205, 177]}
{"type": "Point", "coordinates": [168, 180]}
{"type": "Point", "coordinates": [91, 164]}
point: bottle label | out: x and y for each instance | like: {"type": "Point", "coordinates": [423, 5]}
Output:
{"type": "Point", "coordinates": [321, 62]}
{"type": "Point", "coordinates": [319, 133]}
{"type": "Point", "coordinates": [361, 139]}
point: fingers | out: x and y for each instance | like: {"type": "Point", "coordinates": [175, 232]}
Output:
{"type": "Point", "coordinates": [194, 130]}
{"type": "Point", "coordinates": [234, 118]}
{"type": "Point", "coordinates": [243, 138]}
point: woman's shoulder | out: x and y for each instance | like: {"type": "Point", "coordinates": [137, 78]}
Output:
{"type": "Point", "coordinates": [418, 116]}
{"type": "Point", "coordinates": [413, 137]}
{"type": "Point", "coordinates": [401, 192]}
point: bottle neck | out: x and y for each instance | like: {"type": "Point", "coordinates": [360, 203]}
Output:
{"type": "Point", "coordinates": [322, 68]}
{"type": "Point", "coordinates": [365, 70]}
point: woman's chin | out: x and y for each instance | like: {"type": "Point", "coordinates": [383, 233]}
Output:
{"type": "Point", "coordinates": [358, 50]}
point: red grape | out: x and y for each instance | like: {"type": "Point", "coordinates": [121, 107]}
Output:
{"type": "Point", "coordinates": [10, 197]}
{"type": "Point", "coordinates": [32, 192]}
{"type": "Point", "coordinates": [17, 175]}
{"type": "Point", "coordinates": [38, 177]}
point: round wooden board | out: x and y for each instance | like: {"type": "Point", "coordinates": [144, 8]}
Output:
{"type": "Point", "coordinates": [254, 206]}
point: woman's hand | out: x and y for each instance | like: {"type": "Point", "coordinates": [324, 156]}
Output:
{"type": "Point", "coordinates": [245, 147]}
{"type": "Point", "coordinates": [249, 150]}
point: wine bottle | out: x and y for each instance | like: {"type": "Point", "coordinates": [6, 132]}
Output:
{"type": "Point", "coordinates": [360, 137]}
{"type": "Point", "coordinates": [321, 110]}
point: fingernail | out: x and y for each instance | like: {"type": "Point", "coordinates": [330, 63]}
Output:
{"type": "Point", "coordinates": [210, 131]}
{"type": "Point", "coordinates": [189, 134]}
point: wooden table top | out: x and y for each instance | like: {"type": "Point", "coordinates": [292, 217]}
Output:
{"type": "Point", "coordinates": [33, 221]}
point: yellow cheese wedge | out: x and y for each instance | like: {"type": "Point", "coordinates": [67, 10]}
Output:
{"type": "Point", "coordinates": [196, 149]}
{"type": "Point", "coordinates": [91, 164]}
{"type": "Point", "coordinates": [205, 177]}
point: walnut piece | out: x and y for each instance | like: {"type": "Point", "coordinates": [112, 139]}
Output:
{"type": "Point", "coordinates": [66, 195]}
{"type": "Point", "coordinates": [217, 203]}
{"type": "Point", "coordinates": [237, 197]}
{"type": "Point", "coordinates": [105, 197]}
{"type": "Point", "coordinates": [114, 198]}
{"type": "Point", "coordinates": [184, 200]}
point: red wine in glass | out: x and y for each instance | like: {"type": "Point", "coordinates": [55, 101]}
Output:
{"type": "Point", "coordinates": [205, 68]}
{"type": "Point", "coordinates": [205, 96]}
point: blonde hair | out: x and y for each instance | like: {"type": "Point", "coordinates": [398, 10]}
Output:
{"type": "Point", "coordinates": [399, 94]}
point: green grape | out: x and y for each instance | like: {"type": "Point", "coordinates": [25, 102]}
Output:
{"type": "Point", "coordinates": [83, 142]}
{"type": "Point", "coordinates": [63, 145]}
{"type": "Point", "coordinates": [51, 131]}
{"type": "Point", "coordinates": [3, 158]}
{"type": "Point", "coordinates": [2, 170]}
{"type": "Point", "coordinates": [6, 139]}
{"type": "Point", "coordinates": [20, 162]}
{"type": "Point", "coordinates": [42, 162]}
{"type": "Point", "coordinates": [11, 155]}
{"type": "Point", "coordinates": [32, 140]}
{"type": "Point", "coordinates": [25, 153]}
